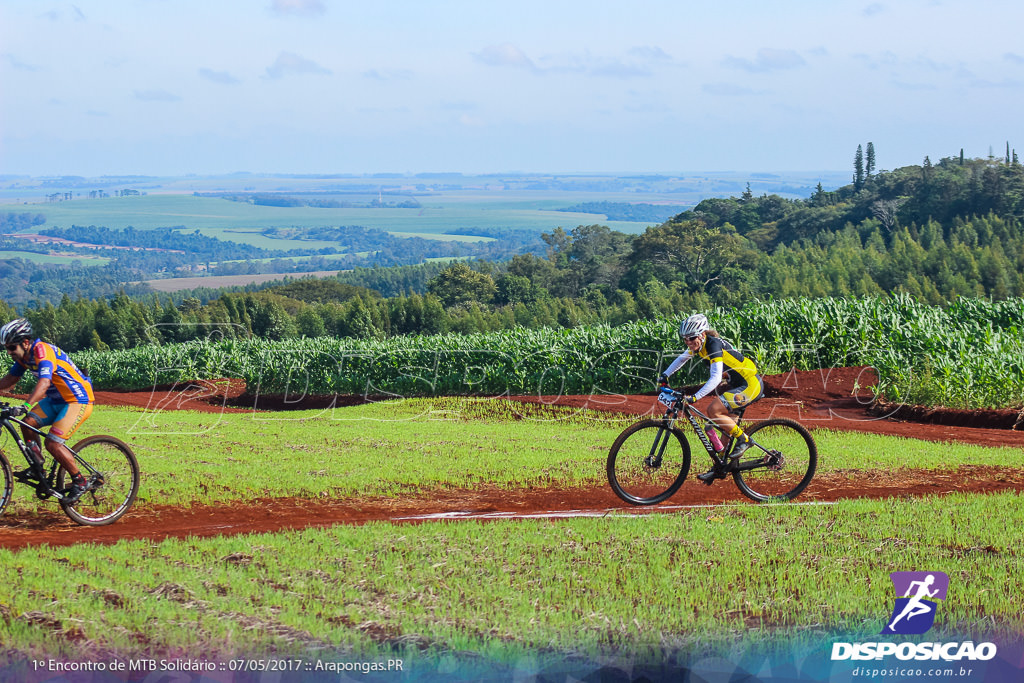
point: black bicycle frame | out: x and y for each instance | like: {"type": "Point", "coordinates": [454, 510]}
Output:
{"type": "Point", "coordinates": [8, 424]}
{"type": "Point", "coordinates": [672, 414]}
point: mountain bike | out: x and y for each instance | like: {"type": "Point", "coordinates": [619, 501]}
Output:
{"type": "Point", "coordinates": [650, 459]}
{"type": "Point", "coordinates": [108, 464]}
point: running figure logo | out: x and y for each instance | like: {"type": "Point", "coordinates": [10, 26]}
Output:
{"type": "Point", "coordinates": [914, 613]}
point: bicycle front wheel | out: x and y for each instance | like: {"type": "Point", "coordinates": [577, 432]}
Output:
{"type": "Point", "coordinates": [648, 462]}
{"type": "Point", "coordinates": [114, 483]}
{"type": "Point", "coordinates": [7, 484]}
{"type": "Point", "coordinates": [780, 462]}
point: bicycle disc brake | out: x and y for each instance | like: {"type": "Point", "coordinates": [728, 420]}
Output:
{"type": "Point", "coordinates": [775, 460]}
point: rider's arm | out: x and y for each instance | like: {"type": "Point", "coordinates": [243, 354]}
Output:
{"type": "Point", "coordinates": [713, 381]}
{"type": "Point", "coordinates": [7, 382]}
{"type": "Point", "coordinates": [39, 391]}
{"type": "Point", "coordinates": [677, 363]}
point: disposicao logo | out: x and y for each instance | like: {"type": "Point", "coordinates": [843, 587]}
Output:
{"type": "Point", "coordinates": [913, 614]}
{"type": "Point", "coordinates": [915, 608]}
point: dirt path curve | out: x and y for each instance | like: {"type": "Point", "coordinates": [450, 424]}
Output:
{"type": "Point", "coordinates": [829, 400]}
{"type": "Point", "coordinates": [279, 514]}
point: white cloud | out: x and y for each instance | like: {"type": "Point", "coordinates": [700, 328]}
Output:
{"type": "Point", "coordinates": [156, 96]}
{"type": "Point", "coordinates": [505, 54]}
{"type": "Point", "coordinates": [288, 63]}
{"type": "Point", "coordinates": [459, 106]}
{"type": "Point", "coordinates": [987, 83]}
{"type": "Point", "coordinates": [618, 69]}
{"type": "Point", "coordinates": [639, 63]}
{"type": "Point", "coordinates": [728, 90]}
{"type": "Point", "coordinates": [650, 53]}
{"type": "Point", "coordinates": [300, 7]}
{"type": "Point", "coordinates": [471, 121]}
{"type": "Point", "coordinates": [768, 59]}
{"type": "Point", "coordinates": [388, 74]}
{"type": "Point", "coordinates": [221, 77]}
{"type": "Point", "coordinates": [18, 64]}
{"type": "Point", "coordinates": [913, 86]}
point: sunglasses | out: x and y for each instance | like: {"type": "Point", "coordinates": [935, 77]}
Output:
{"type": "Point", "coordinates": [10, 347]}
{"type": "Point", "coordinates": [692, 338]}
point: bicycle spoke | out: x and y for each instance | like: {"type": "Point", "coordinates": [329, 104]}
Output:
{"type": "Point", "coordinates": [648, 463]}
{"type": "Point", "coordinates": [113, 475]}
{"type": "Point", "coordinates": [781, 462]}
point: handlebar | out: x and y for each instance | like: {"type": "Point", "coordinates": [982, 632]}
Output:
{"type": "Point", "coordinates": [7, 411]}
{"type": "Point", "coordinates": [671, 398]}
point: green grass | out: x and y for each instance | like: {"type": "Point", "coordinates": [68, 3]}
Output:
{"type": "Point", "coordinates": [501, 589]}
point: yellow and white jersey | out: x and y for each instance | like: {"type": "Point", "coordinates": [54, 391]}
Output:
{"type": "Point", "coordinates": [720, 355]}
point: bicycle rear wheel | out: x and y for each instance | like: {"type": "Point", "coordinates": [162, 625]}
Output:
{"type": "Point", "coordinates": [114, 485]}
{"type": "Point", "coordinates": [648, 462]}
{"type": "Point", "coordinates": [779, 464]}
{"type": "Point", "coordinates": [8, 483]}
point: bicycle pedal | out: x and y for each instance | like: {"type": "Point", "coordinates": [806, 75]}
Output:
{"type": "Point", "coordinates": [710, 476]}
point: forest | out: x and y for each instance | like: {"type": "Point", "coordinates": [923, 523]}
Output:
{"type": "Point", "coordinates": [138, 255]}
{"type": "Point", "coordinates": [934, 232]}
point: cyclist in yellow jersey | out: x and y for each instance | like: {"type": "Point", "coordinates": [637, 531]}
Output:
{"type": "Point", "coordinates": [62, 396]}
{"type": "Point", "coordinates": [745, 384]}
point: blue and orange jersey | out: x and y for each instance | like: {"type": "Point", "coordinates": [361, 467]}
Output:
{"type": "Point", "coordinates": [46, 361]}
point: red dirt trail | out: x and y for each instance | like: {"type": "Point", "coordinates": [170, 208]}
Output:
{"type": "Point", "coordinates": [830, 399]}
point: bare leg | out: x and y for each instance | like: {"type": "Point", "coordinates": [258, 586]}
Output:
{"type": "Point", "coordinates": [721, 416]}
{"type": "Point", "coordinates": [30, 437]}
{"type": "Point", "coordinates": [63, 456]}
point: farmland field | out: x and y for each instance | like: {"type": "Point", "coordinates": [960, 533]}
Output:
{"type": "Point", "coordinates": [179, 283]}
{"type": "Point", "coordinates": [55, 258]}
{"type": "Point", "coordinates": [499, 597]}
{"type": "Point", "coordinates": [242, 222]}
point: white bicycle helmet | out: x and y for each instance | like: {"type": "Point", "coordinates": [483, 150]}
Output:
{"type": "Point", "coordinates": [694, 325]}
{"type": "Point", "coordinates": [14, 331]}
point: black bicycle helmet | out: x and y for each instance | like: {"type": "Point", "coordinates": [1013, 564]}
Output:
{"type": "Point", "coordinates": [16, 330]}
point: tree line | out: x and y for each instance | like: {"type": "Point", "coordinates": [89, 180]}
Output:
{"type": "Point", "coordinates": [935, 232]}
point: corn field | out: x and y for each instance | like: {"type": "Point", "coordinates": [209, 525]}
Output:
{"type": "Point", "coordinates": [967, 355]}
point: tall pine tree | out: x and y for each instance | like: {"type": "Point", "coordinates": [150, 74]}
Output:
{"type": "Point", "coordinates": [858, 169]}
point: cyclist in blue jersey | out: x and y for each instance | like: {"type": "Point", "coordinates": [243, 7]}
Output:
{"type": "Point", "coordinates": [61, 399]}
{"type": "Point", "coordinates": [745, 384]}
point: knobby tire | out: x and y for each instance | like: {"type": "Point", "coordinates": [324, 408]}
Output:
{"type": "Point", "coordinates": [800, 459]}
{"type": "Point", "coordinates": [106, 504]}
{"type": "Point", "coordinates": [633, 478]}
{"type": "Point", "coordinates": [8, 483]}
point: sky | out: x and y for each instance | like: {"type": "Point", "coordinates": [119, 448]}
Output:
{"type": "Point", "coordinates": [172, 87]}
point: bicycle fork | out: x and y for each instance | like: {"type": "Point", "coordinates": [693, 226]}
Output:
{"type": "Point", "coordinates": [654, 457]}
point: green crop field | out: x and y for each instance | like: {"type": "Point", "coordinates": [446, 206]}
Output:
{"type": "Point", "coordinates": [966, 355]}
{"type": "Point", "coordinates": [36, 257]}
{"type": "Point", "coordinates": [242, 222]}
{"type": "Point", "coordinates": [179, 283]}
{"type": "Point", "coordinates": [495, 593]}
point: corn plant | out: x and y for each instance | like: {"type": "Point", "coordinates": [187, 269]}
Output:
{"type": "Point", "coordinates": [968, 354]}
